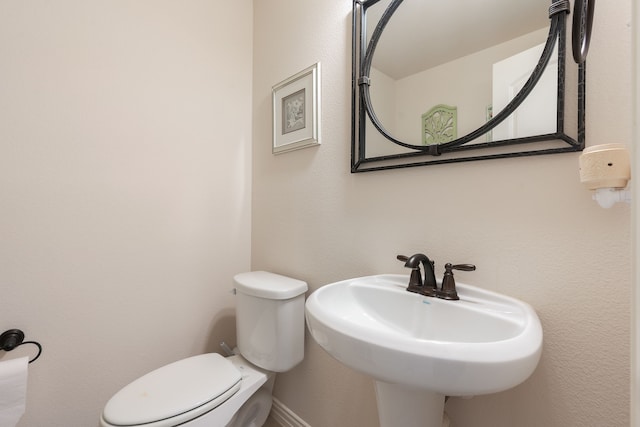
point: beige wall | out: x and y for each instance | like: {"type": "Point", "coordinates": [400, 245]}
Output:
{"type": "Point", "coordinates": [125, 132]}
{"type": "Point", "coordinates": [528, 225]}
{"type": "Point", "coordinates": [635, 365]}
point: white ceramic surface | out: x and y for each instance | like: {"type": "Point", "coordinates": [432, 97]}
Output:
{"type": "Point", "coordinates": [483, 343]}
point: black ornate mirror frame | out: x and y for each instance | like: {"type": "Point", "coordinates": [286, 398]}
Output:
{"type": "Point", "coordinates": [437, 154]}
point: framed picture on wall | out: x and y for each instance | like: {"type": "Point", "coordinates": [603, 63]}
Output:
{"type": "Point", "coordinates": [296, 111]}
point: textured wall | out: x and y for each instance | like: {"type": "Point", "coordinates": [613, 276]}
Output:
{"type": "Point", "coordinates": [124, 189]}
{"type": "Point", "coordinates": [528, 225]}
{"type": "Point", "coordinates": [635, 385]}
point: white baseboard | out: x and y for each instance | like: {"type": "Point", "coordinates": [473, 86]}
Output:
{"type": "Point", "coordinates": [285, 416]}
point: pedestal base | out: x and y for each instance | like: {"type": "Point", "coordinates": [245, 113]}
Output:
{"type": "Point", "coordinates": [407, 407]}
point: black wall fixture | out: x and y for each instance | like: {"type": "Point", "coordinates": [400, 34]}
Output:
{"type": "Point", "coordinates": [12, 338]}
{"type": "Point", "coordinates": [583, 11]}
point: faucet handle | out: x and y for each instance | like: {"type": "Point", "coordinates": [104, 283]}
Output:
{"type": "Point", "coordinates": [462, 267]}
{"type": "Point", "coordinates": [448, 290]}
{"type": "Point", "coordinates": [402, 258]}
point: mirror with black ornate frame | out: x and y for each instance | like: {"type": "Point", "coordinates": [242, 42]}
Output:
{"type": "Point", "coordinates": [455, 109]}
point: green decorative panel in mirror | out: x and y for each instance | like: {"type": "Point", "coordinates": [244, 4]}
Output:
{"type": "Point", "coordinates": [439, 125]}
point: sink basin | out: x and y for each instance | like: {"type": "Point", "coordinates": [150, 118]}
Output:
{"type": "Point", "coordinates": [483, 343]}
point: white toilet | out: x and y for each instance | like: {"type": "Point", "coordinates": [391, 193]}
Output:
{"type": "Point", "coordinates": [210, 390]}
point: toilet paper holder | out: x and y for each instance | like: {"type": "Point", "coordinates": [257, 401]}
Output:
{"type": "Point", "coordinates": [12, 338]}
{"type": "Point", "coordinates": [606, 169]}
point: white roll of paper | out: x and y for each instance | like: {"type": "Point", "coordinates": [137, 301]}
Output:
{"type": "Point", "coordinates": [13, 390]}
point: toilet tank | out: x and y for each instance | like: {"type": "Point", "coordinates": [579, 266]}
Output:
{"type": "Point", "coordinates": [270, 319]}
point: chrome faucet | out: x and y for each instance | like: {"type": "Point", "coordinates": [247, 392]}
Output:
{"type": "Point", "coordinates": [416, 284]}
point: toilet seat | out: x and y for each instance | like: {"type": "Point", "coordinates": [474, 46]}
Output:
{"type": "Point", "coordinates": [174, 394]}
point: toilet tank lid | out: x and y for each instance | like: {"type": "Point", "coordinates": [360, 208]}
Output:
{"type": "Point", "coordinates": [264, 284]}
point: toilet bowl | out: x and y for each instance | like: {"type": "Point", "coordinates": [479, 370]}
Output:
{"type": "Point", "coordinates": [209, 390]}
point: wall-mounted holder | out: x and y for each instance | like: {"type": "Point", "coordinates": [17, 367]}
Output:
{"type": "Point", "coordinates": [606, 170]}
{"type": "Point", "coordinates": [13, 338]}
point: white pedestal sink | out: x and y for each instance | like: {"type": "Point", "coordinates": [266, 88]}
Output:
{"type": "Point", "coordinates": [420, 349]}
{"type": "Point", "coordinates": [407, 407]}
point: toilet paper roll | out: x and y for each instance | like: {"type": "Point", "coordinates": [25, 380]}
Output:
{"type": "Point", "coordinates": [13, 390]}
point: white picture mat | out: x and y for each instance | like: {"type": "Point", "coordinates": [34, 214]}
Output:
{"type": "Point", "coordinates": [309, 80]}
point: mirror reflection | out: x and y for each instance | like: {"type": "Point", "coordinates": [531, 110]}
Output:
{"type": "Point", "coordinates": [440, 71]}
